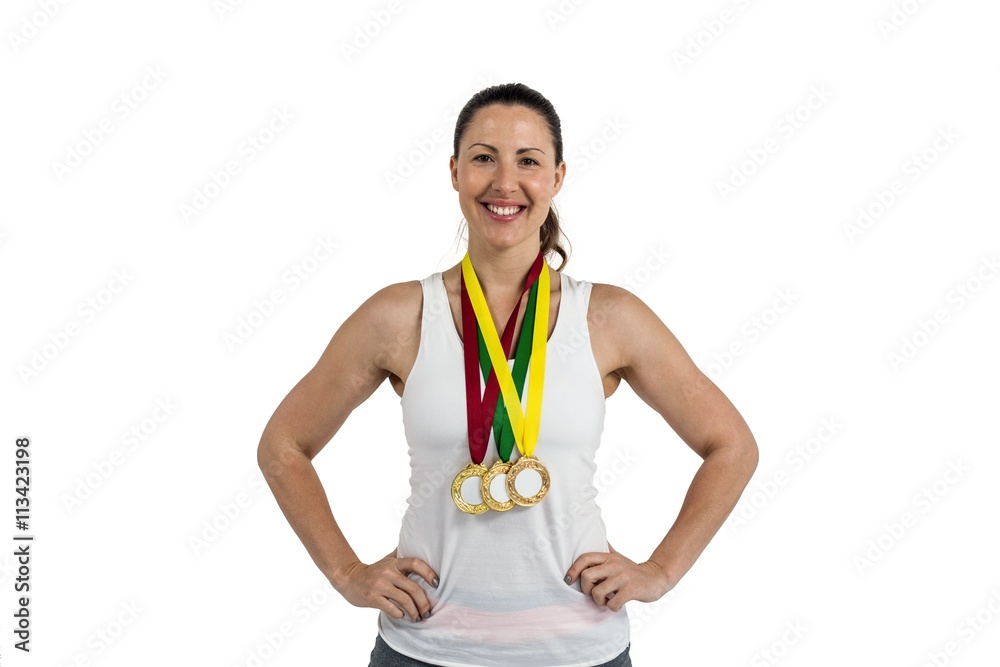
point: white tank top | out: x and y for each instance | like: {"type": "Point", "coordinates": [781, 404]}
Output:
{"type": "Point", "coordinates": [502, 599]}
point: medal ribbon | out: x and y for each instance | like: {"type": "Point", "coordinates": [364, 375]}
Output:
{"type": "Point", "coordinates": [480, 408]}
{"type": "Point", "coordinates": [524, 425]}
{"type": "Point", "coordinates": [502, 434]}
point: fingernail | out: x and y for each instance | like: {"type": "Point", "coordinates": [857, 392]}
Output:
{"type": "Point", "coordinates": [568, 579]}
{"type": "Point", "coordinates": [427, 614]}
{"type": "Point", "coordinates": [435, 582]}
{"type": "Point", "coordinates": [419, 619]}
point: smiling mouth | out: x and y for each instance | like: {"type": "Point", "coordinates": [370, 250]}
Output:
{"type": "Point", "coordinates": [503, 211]}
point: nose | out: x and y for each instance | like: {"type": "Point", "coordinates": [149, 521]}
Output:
{"type": "Point", "coordinates": [504, 177]}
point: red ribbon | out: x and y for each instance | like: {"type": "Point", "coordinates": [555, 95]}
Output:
{"type": "Point", "coordinates": [480, 412]}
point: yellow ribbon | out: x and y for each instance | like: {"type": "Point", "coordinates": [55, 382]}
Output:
{"type": "Point", "coordinates": [525, 427]}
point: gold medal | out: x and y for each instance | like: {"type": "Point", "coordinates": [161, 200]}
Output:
{"type": "Point", "coordinates": [522, 464]}
{"type": "Point", "coordinates": [471, 470]}
{"type": "Point", "coordinates": [499, 468]}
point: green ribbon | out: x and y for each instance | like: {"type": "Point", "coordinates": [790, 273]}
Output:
{"type": "Point", "coordinates": [502, 433]}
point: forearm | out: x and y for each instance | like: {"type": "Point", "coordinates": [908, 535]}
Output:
{"type": "Point", "coordinates": [297, 488]}
{"type": "Point", "coordinates": [714, 492]}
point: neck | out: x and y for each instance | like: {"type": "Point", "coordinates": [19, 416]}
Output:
{"type": "Point", "coordinates": [503, 271]}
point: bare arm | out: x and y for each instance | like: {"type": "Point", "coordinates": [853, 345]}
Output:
{"type": "Point", "coordinates": [662, 374]}
{"type": "Point", "coordinates": [350, 369]}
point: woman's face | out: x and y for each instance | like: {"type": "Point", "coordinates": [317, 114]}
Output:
{"type": "Point", "coordinates": [505, 174]}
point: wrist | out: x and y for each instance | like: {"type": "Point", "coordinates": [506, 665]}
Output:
{"type": "Point", "coordinates": [339, 575]}
{"type": "Point", "coordinates": [664, 572]}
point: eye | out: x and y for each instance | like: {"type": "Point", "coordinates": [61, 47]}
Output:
{"type": "Point", "coordinates": [476, 159]}
{"type": "Point", "coordinates": [532, 161]}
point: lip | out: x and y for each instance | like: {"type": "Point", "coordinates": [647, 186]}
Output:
{"type": "Point", "coordinates": [502, 218]}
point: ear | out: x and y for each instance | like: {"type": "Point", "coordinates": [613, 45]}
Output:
{"type": "Point", "coordinates": [453, 168]}
{"type": "Point", "coordinates": [560, 177]}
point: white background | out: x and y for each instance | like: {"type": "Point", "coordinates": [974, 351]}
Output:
{"type": "Point", "coordinates": [661, 135]}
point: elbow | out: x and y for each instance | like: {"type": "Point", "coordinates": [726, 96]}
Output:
{"type": "Point", "coordinates": [740, 453]}
{"type": "Point", "coordinates": [750, 456]}
{"type": "Point", "coordinates": [274, 455]}
{"type": "Point", "coordinates": [265, 457]}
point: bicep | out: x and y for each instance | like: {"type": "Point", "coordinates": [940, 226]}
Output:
{"type": "Point", "coordinates": [664, 376]}
{"type": "Point", "coordinates": [350, 369]}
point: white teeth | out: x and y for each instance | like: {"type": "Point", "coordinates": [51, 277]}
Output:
{"type": "Point", "coordinates": [503, 210]}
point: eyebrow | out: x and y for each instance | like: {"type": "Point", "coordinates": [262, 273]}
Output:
{"type": "Point", "coordinates": [519, 150]}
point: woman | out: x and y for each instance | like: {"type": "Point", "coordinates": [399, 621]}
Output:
{"type": "Point", "coordinates": [493, 567]}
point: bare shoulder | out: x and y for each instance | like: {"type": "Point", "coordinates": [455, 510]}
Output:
{"type": "Point", "coordinates": [623, 320]}
{"type": "Point", "coordinates": [634, 334]}
{"type": "Point", "coordinates": [393, 317]}
{"type": "Point", "coordinates": [606, 299]}
{"type": "Point", "coordinates": [363, 351]}
{"type": "Point", "coordinates": [391, 299]}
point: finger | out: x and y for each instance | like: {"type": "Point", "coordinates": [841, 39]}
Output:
{"type": "Point", "coordinates": [594, 575]}
{"type": "Point", "coordinates": [388, 606]}
{"type": "Point", "coordinates": [617, 600]}
{"type": "Point", "coordinates": [416, 593]}
{"type": "Point", "coordinates": [603, 591]}
{"type": "Point", "coordinates": [585, 561]}
{"type": "Point", "coordinates": [407, 565]}
{"type": "Point", "coordinates": [404, 598]}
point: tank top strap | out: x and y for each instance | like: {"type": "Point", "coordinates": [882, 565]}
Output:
{"type": "Point", "coordinates": [437, 326]}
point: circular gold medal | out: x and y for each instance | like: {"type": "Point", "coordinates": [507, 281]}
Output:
{"type": "Point", "coordinates": [499, 468]}
{"type": "Point", "coordinates": [471, 470]}
{"type": "Point", "coordinates": [524, 463]}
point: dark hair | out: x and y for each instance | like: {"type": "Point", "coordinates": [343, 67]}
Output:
{"type": "Point", "coordinates": [518, 94]}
